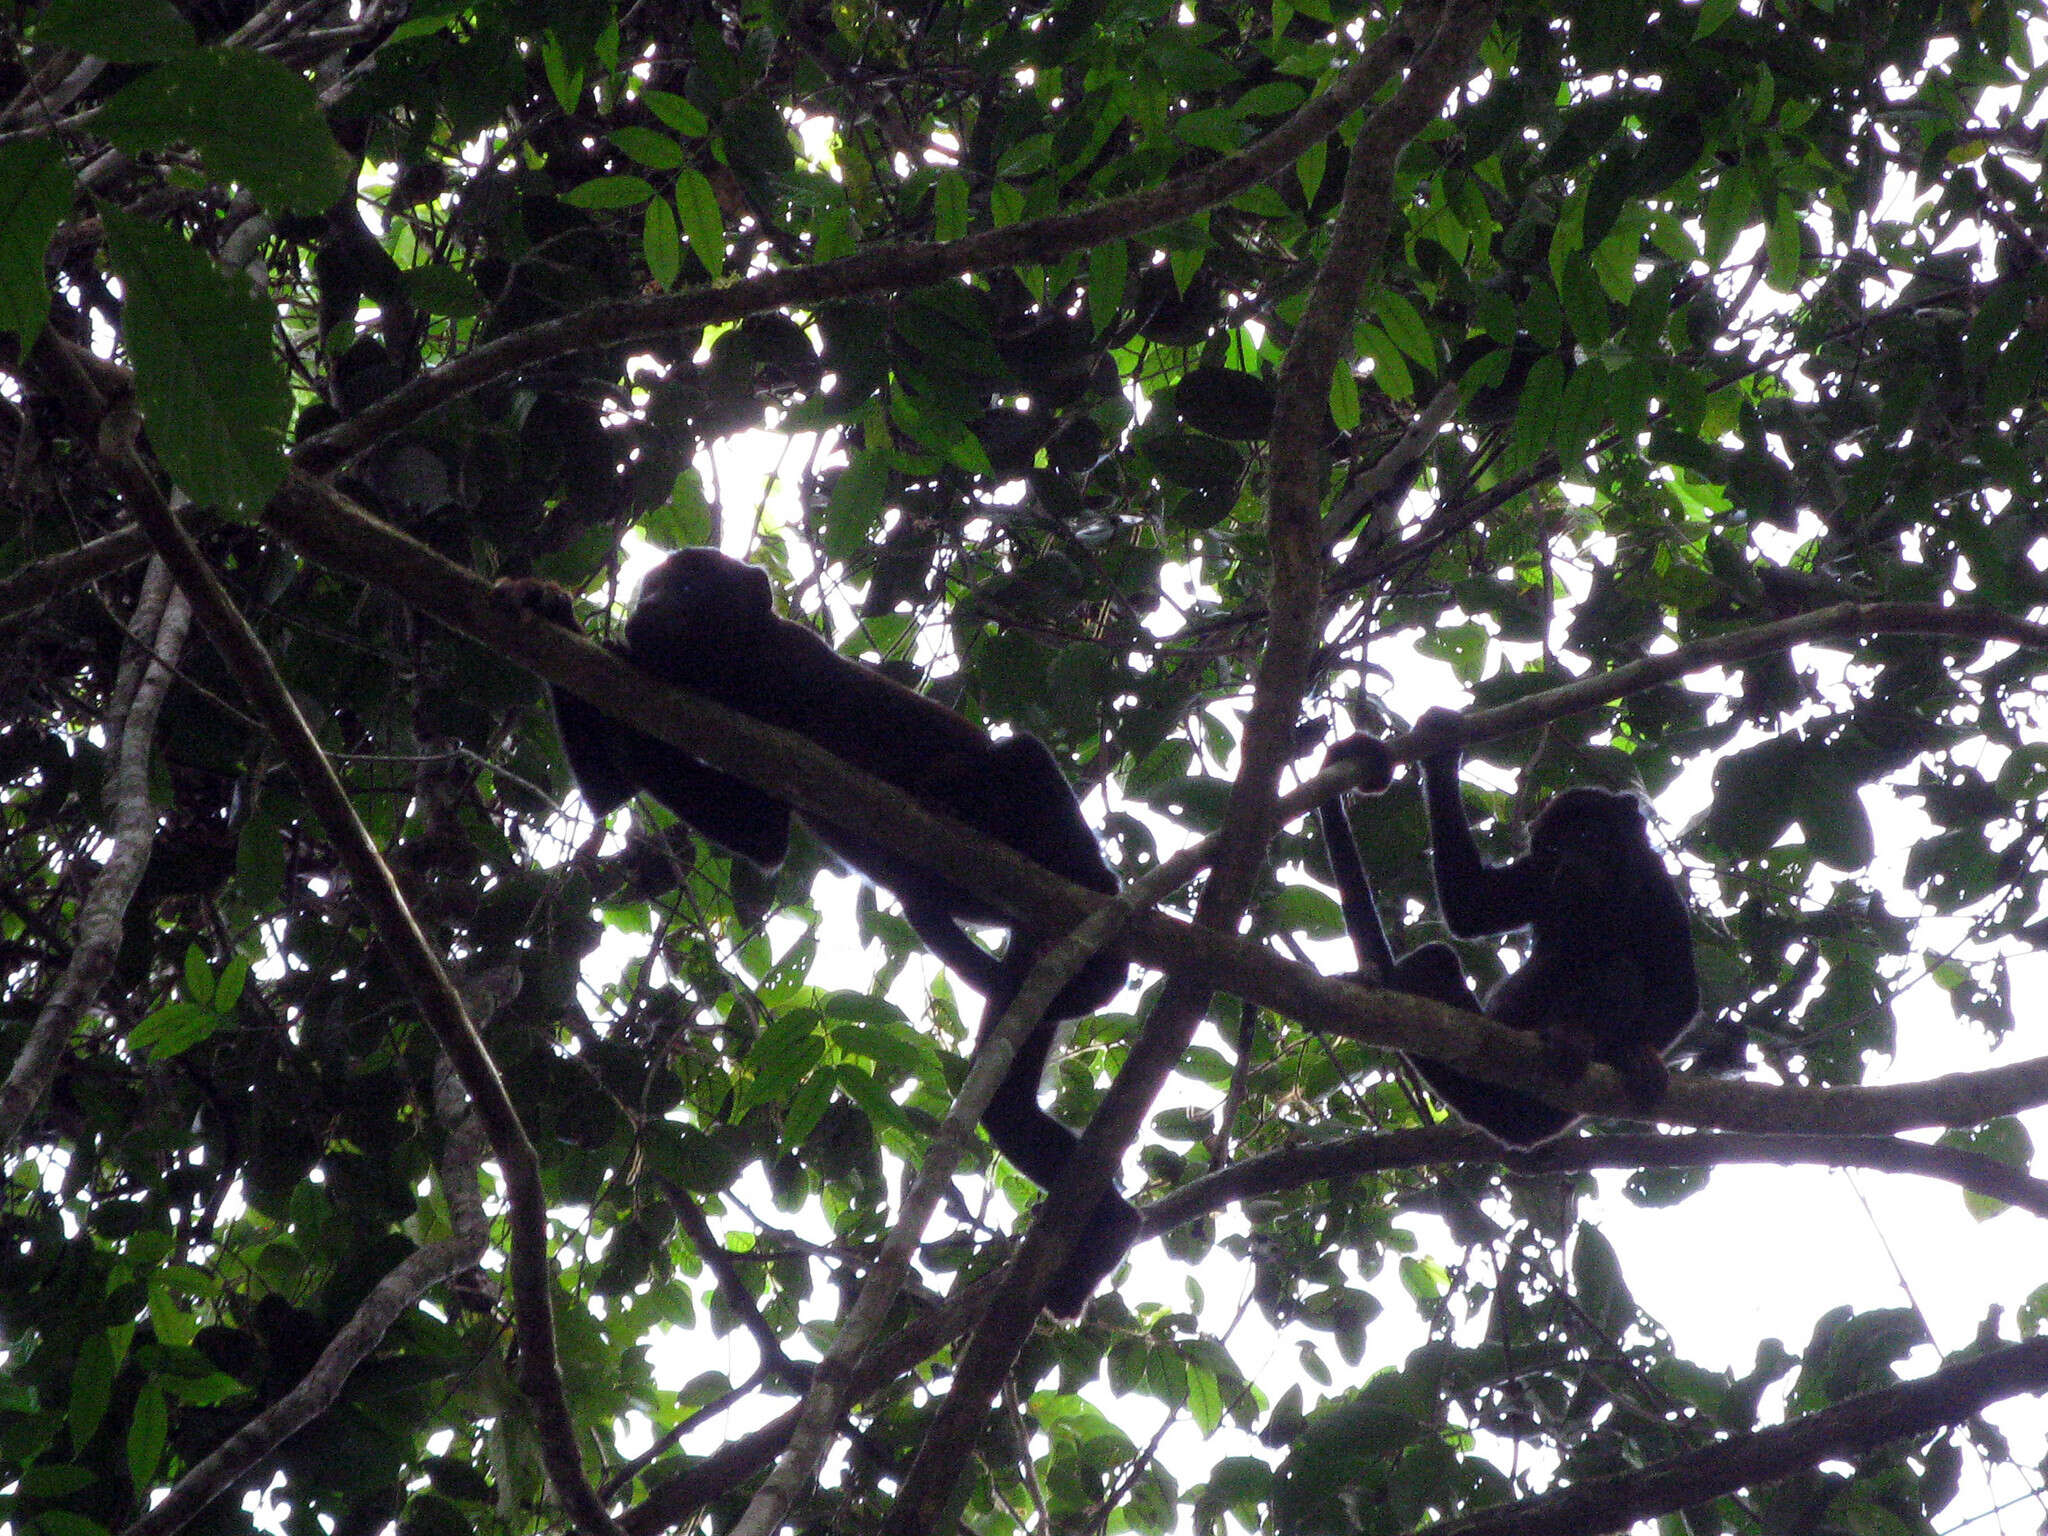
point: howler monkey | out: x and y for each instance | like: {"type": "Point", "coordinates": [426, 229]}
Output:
{"type": "Point", "coordinates": [1609, 974]}
{"type": "Point", "coordinates": [706, 622]}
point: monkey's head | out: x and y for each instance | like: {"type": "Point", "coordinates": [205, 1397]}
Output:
{"type": "Point", "coordinates": [1594, 842]}
{"type": "Point", "coordinates": [699, 599]}
{"type": "Point", "coordinates": [1375, 763]}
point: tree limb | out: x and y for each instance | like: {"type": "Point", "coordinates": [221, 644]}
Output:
{"type": "Point", "coordinates": [1849, 1428]}
{"type": "Point", "coordinates": [326, 527]}
{"type": "Point", "coordinates": [315, 1392]}
{"type": "Point", "coordinates": [811, 1435]}
{"type": "Point", "coordinates": [160, 623]}
{"type": "Point", "coordinates": [1297, 474]}
{"type": "Point", "coordinates": [1450, 1144]}
{"type": "Point", "coordinates": [34, 585]}
{"type": "Point", "coordinates": [881, 268]}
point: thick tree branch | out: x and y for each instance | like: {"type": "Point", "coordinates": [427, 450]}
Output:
{"type": "Point", "coordinates": [426, 981]}
{"type": "Point", "coordinates": [329, 529]}
{"type": "Point", "coordinates": [1297, 468]}
{"type": "Point", "coordinates": [157, 638]}
{"type": "Point", "coordinates": [1849, 1429]}
{"type": "Point", "coordinates": [1450, 1144]}
{"type": "Point", "coordinates": [880, 269]}
{"type": "Point", "coordinates": [34, 585]}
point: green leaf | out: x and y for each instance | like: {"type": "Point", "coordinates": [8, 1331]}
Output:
{"type": "Point", "coordinates": [660, 242]}
{"type": "Point", "coordinates": [441, 289]}
{"type": "Point", "coordinates": [781, 1058]}
{"type": "Point", "coordinates": [174, 1029]}
{"type": "Point", "coordinates": [1536, 414]}
{"type": "Point", "coordinates": [566, 83]}
{"type": "Point", "coordinates": [35, 193]}
{"type": "Point", "coordinates": [1205, 1400]}
{"type": "Point", "coordinates": [610, 192]}
{"type": "Point", "coordinates": [806, 1108]}
{"type": "Point", "coordinates": [146, 1434]}
{"type": "Point", "coordinates": [2005, 1140]}
{"type": "Point", "coordinates": [1581, 411]}
{"type": "Point", "coordinates": [949, 206]}
{"type": "Point", "coordinates": [232, 979]}
{"type": "Point", "coordinates": [1404, 323]}
{"type": "Point", "coordinates": [214, 395]}
{"type": "Point", "coordinates": [856, 504]}
{"type": "Point", "coordinates": [1713, 15]}
{"type": "Point", "coordinates": [1344, 406]}
{"type": "Point", "coordinates": [883, 1111]}
{"type": "Point", "coordinates": [251, 119]}
{"type": "Point", "coordinates": [1272, 99]}
{"type": "Point", "coordinates": [1597, 1284]}
{"type": "Point", "coordinates": [92, 1386]}
{"type": "Point", "coordinates": [119, 31]}
{"type": "Point", "coordinates": [656, 151]}
{"type": "Point", "coordinates": [678, 112]}
{"type": "Point", "coordinates": [697, 207]}
{"type": "Point", "coordinates": [199, 982]}
{"type": "Point", "coordinates": [1781, 241]}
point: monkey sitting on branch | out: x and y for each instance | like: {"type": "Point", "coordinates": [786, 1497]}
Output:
{"type": "Point", "coordinates": [1609, 975]}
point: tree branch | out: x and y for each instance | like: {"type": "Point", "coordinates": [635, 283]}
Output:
{"type": "Point", "coordinates": [156, 638]}
{"type": "Point", "coordinates": [1297, 470]}
{"type": "Point", "coordinates": [326, 527]}
{"type": "Point", "coordinates": [34, 585]}
{"type": "Point", "coordinates": [876, 270]}
{"type": "Point", "coordinates": [316, 1392]}
{"type": "Point", "coordinates": [1450, 1144]}
{"type": "Point", "coordinates": [1848, 1429]}
{"type": "Point", "coordinates": [811, 1435]}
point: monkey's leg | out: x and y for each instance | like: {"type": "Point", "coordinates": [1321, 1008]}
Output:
{"type": "Point", "coordinates": [1512, 1118]}
{"type": "Point", "coordinates": [1015, 792]}
{"type": "Point", "coordinates": [1039, 1147]}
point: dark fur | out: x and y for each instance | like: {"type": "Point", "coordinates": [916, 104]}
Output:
{"type": "Point", "coordinates": [706, 622]}
{"type": "Point", "coordinates": [1609, 975]}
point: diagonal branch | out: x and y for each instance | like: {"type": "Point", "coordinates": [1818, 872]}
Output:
{"type": "Point", "coordinates": [34, 585]}
{"type": "Point", "coordinates": [314, 1393]}
{"type": "Point", "coordinates": [879, 269]}
{"type": "Point", "coordinates": [1850, 1428]}
{"type": "Point", "coordinates": [826, 1401]}
{"type": "Point", "coordinates": [1297, 474]}
{"type": "Point", "coordinates": [327, 528]}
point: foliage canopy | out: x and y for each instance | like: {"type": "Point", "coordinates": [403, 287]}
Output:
{"type": "Point", "coordinates": [1149, 378]}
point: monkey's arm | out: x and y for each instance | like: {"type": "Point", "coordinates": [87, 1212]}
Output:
{"type": "Point", "coordinates": [612, 761]}
{"type": "Point", "coordinates": [1670, 979]}
{"type": "Point", "coordinates": [734, 815]}
{"type": "Point", "coordinates": [1354, 894]}
{"type": "Point", "coordinates": [1475, 898]}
